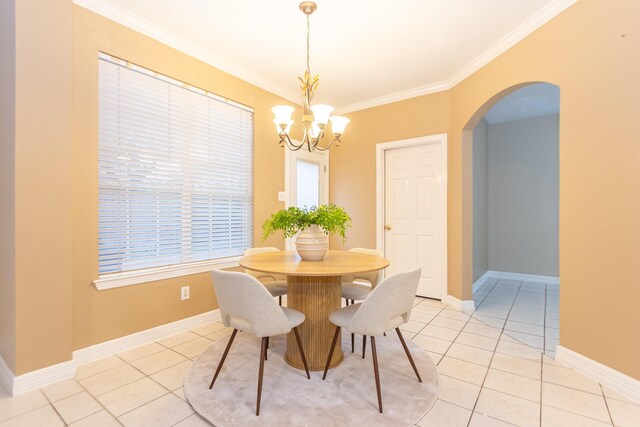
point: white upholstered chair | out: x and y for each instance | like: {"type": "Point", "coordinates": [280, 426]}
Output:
{"type": "Point", "coordinates": [387, 307]}
{"type": "Point", "coordinates": [353, 292]}
{"type": "Point", "coordinates": [245, 305]}
{"type": "Point", "coordinates": [275, 284]}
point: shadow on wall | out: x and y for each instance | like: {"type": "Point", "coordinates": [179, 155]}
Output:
{"type": "Point", "coordinates": [515, 172]}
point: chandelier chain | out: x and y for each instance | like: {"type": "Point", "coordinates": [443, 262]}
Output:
{"type": "Point", "coordinates": [308, 31]}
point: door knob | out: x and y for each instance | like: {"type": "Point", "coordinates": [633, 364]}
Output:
{"type": "Point", "coordinates": [387, 227]}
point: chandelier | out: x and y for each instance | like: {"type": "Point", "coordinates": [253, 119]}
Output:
{"type": "Point", "coordinates": [314, 117]}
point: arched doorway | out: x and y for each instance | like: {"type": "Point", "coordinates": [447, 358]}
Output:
{"type": "Point", "coordinates": [515, 172]}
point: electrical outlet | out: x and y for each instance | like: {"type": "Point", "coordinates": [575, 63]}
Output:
{"type": "Point", "coordinates": [184, 293]}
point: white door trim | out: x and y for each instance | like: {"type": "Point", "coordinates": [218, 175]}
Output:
{"type": "Point", "coordinates": [381, 148]}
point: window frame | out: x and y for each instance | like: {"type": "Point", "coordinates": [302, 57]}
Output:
{"type": "Point", "coordinates": [143, 275]}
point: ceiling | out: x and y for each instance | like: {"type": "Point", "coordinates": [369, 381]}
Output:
{"type": "Point", "coordinates": [367, 52]}
{"type": "Point", "coordinates": [534, 100]}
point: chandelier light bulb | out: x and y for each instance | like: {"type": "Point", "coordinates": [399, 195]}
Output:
{"type": "Point", "coordinates": [338, 124]}
{"type": "Point", "coordinates": [283, 114]}
{"type": "Point", "coordinates": [281, 125]}
{"type": "Point", "coordinates": [315, 130]}
{"type": "Point", "coordinates": [321, 113]}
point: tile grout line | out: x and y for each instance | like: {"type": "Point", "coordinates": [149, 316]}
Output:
{"type": "Point", "coordinates": [473, 411]}
{"type": "Point", "coordinates": [506, 320]}
{"type": "Point", "coordinates": [542, 371]}
{"type": "Point", "coordinates": [96, 399]}
{"type": "Point", "coordinates": [64, 422]}
{"type": "Point", "coordinates": [127, 384]}
{"type": "Point", "coordinates": [543, 354]}
{"type": "Point", "coordinates": [171, 392]}
{"type": "Point", "coordinates": [606, 403]}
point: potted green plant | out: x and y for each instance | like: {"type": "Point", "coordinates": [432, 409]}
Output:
{"type": "Point", "coordinates": [312, 227]}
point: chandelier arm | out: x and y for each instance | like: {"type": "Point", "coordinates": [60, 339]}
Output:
{"type": "Point", "coordinates": [318, 147]}
{"type": "Point", "coordinates": [285, 140]}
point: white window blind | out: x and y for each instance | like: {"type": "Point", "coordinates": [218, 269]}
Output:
{"type": "Point", "coordinates": [175, 171]}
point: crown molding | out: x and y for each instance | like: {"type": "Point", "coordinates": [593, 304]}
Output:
{"type": "Point", "coordinates": [123, 17]}
{"type": "Point", "coordinates": [393, 97]}
{"type": "Point", "coordinates": [117, 14]}
{"type": "Point", "coordinates": [534, 22]}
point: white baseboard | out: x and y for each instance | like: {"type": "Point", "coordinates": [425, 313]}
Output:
{"type": "Point", "coordinates": [42, 377]}
{"type": "Point", "coordinates": [468, 306]}
{"type": "Point", "coordinates": [65, 370]}
{"type": "Point", "coordinates": [118, 345]}
{"type": "Point", "coordinates": [615, 380]}
{"type": "Point", "coordinates": [553, 280]}
{"type": "Point", "coordinates": [481, 281]}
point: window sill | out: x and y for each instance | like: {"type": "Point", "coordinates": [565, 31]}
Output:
{"type": "Point", "coordinates": [129, 278]}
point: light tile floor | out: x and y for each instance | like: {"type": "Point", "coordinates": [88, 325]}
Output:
{"type": "Point", "coordinates": [487, 378]}
{"type": "Point", "coordinates": [527, 311]}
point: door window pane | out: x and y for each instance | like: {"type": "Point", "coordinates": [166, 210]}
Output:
{"type": "Point", "coordinates": [308, 179]}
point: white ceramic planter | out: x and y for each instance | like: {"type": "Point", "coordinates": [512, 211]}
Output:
{"type": "Point", "coordinates": [312, 244]}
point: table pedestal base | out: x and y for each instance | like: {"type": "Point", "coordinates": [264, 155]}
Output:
{"type": "Point", "coordinates": [316, 297]}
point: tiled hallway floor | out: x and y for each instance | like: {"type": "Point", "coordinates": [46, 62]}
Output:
{"type": "Point", "coordinates": [527, 311]}
{"type": "Point", "coordinates": [487, 378]}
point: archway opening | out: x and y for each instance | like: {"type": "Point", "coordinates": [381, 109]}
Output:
{"type": "Point", "coordinates": [515, 191]}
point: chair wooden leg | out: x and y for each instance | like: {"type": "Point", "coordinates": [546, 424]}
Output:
{"type": "Point", "coordinates": [280, 300]}
{"type": "Point", "coordinates": [406, 350]}
{"type": "Point", "coordinates": [333, 346]}
{"type": "Point", "coordinates": [304, 359]}
{"type": "Point", "coordinates": [224, 356]}
{"type": "Point", "coordinates": [353, 301]}
{"type": "Point", "coordinates": [364, 345]}
{"type": "Point", "coordinates": [267, 350]}
{"type": "Point", "coordinates": [353, 339]}
{"type": "Point", "coordinates": [376, 373]}
{"type": "Point", "coordinates": [346, 301]}
{"type": "Point", "coordinates": [263, 356]}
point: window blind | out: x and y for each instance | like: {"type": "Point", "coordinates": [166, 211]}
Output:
{"type": "Point", "coordinates": [175, 171]}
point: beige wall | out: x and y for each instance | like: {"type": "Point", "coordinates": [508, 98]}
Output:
{"type": "Point", "coordinates": [54, 194]}
{"type": "Point", "coordinates": [42, 191]}
{"type": "Point", "coordinates": [523, 196]}
{"type": "Point", "coordinates": [7, 183]}
{"type": "Point", "coordinates": [103, 315]}
{"type": "Point", "coordinates": [480, 199]}
{"type": "Point", "coordinates": [582, 51]}
{"type": "Point", "coordinates": [352, 174]}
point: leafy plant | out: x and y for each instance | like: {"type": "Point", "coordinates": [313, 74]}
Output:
{"type": "Point", "coordinates": [331, 218]}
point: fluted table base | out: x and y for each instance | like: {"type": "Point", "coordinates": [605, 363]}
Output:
{"type": "Point", "coordinates": [316, 297]}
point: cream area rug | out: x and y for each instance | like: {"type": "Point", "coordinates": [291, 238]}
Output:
{"type": "Point", "coordinates": [346, 398]}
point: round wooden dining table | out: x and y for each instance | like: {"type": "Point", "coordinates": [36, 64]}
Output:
{"type": "Point", "coordinates": [315, 289]}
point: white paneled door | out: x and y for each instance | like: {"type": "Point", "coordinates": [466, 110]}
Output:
{"type": "Point", "coordinates": [415, 213]}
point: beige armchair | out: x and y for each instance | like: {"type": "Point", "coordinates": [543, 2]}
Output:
{"type": "Point", "coordinates": [245, 305]}
{"type": "Point", "coordinates": [387, 307]}
{"type": "Point", "coordinates": [275, 284]}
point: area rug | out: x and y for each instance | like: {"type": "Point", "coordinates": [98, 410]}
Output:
{"type": "Point", "coordinates": [346, 398]}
